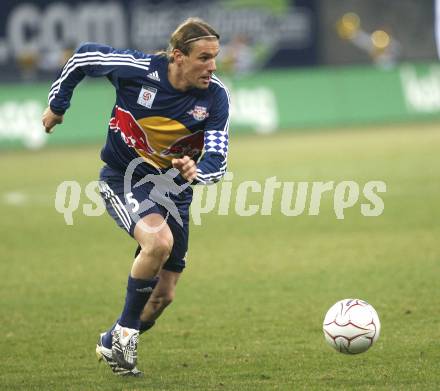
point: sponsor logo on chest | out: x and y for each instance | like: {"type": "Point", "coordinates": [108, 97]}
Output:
{"type": "Point", "coordinates": [146, 96]}
{"type": "Point", "coordinates": [199, 113]}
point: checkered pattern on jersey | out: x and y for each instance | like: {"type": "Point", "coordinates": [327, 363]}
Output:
{"type": "Point", "coordinates": [216, 141]}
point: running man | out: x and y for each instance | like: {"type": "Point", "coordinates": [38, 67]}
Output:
{"type": "Point", "coordinates": [171, 112]}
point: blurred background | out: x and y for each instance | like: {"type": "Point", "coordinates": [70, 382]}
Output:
{"type": "Point", "coordinates": [290, 64]}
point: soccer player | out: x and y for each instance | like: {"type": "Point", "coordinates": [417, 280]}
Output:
{"type": "Point", "coordinates": [171, 112]}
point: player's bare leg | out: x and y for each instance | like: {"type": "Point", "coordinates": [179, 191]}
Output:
{"type": "Point", "coordinates": [155, 247]}
{"type": "Point", "coordinates": [161, 298]}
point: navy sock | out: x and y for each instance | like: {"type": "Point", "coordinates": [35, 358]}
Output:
{"type": "Point", "coordinates": [138, 292]}
{"type": "Point", "coordinates": [107, 338]}
{"type": "Point", "coordinates": [146, 326]}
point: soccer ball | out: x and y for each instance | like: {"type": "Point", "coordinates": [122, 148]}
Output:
{"type": "Point", "coordinates": [351, 326]}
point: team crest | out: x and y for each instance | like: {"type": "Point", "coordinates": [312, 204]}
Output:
{"type": "Point", "coordinates": [199, 113]}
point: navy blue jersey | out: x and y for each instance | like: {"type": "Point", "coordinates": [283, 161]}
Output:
{"type": "Point", "coordinates": [151, 119]}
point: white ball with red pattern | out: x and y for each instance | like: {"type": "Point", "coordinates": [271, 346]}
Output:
{"type": "Point", "coordinates": [351, 326]}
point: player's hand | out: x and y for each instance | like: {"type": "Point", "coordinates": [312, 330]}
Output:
{"type": "Point", "coordinates": [50, 119]}
{"type": "Point", "coordinates": [186, 166]}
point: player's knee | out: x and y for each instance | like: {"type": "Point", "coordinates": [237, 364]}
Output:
{"type": "Point", "coordinates": [158, 246]}
{"type": "Point", "coordinates": [163, 244]}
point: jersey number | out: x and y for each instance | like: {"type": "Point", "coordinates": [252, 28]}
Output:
{"type": "Point", "coordinates": [133, 202]}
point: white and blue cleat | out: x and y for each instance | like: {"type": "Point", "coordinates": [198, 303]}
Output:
{"type": "Point", "coordinates": [104, 354]}
{"type": "Point", "coordinates": [124, 346]}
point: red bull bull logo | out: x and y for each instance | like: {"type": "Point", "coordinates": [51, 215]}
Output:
{"type": "Point", "coordinates": [188, 145]}
{"type": "Point", "coordinates": [131, 132]}
{"type": "Point", "coordinates": [157, 139]}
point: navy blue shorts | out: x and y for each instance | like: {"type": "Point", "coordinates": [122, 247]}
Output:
{"type": "Point", "coordinates": [129, 206]}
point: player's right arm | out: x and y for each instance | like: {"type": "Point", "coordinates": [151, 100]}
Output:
{"type": "Point", "coordinates": [50, 119]}
{"type": "Point", "coordinates": [95, 60]}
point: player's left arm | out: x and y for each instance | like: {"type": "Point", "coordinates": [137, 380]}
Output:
{"type": "Point", "coordinates": [50, 119]}
{"type": "Point", "coordinates": [212, 166]}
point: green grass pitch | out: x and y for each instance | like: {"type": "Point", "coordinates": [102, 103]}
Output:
{"type": "Point", "coordinates": [250, 304]}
